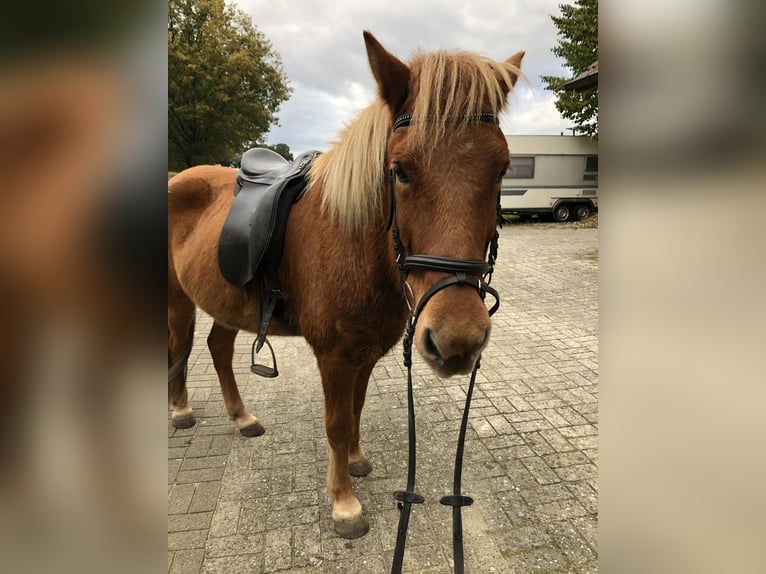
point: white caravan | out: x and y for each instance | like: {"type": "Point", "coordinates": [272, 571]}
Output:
{"type": "Point", "coordinates": [551, 175]}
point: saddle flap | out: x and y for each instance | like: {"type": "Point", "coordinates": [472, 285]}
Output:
{"type": "Point", "coordinates": [253, 234]}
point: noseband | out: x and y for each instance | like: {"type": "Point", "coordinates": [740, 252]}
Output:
{"type": "Point", "coordinates": [477, 274]}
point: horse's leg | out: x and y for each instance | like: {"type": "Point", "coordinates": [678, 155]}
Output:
{"type": "Point", "coordinates": [358, 464]}
{"type": "Point", "coordinates": [338, 378]}
{"type": "Point", "coordinates": [220, 341]}
{"type": "Point", "coordinates": [180, 319]}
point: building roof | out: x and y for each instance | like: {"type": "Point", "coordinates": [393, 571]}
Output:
{"type": "Point", "coordinates": [551, 145]}
{"type": "Point", "coordinates": [585, 81]}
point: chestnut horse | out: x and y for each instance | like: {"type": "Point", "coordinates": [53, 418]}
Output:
{"type": "Point", "coordinates": [340, 281]}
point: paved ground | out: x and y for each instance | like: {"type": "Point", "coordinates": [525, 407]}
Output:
{"type": "Point", "coordinates": [239, 505]}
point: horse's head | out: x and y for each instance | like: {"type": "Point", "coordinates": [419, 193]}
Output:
{"type": "Point", "coordinates": [448, 160]}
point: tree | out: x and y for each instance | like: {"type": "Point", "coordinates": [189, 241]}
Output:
{"type": "Point", "coordinates": [225, 83]}
{"type": "Point", "coordinates": [578, 45]}
{"type": "Point", "coordinates": [282, 149]}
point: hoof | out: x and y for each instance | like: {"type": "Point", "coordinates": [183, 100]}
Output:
{"type": "Point", "coordinates": [351, 528]}
{"type": "Point", "coordinates": [255, 429]}
{"type": "Point", "coordinates": [183, 422]}
{"type": "Point", "coordinates": [360, 468]}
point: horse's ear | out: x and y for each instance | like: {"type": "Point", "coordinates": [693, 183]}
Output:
{"type": "Point", "coordinates": [515, 61]}
{"type": "Point", "coordinates": [391, 75]}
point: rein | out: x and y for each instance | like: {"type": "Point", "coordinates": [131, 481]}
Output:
{"type": "Point", "coordinates": [462, 271]}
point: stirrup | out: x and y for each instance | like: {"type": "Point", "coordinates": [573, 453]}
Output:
{"type": "Point", "coordinates": [264, 370]}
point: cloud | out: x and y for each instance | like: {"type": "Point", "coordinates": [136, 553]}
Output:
{"type": "Point", "coordinates": [320, 43]}
{"type": "Point", "coordinates": [532, 111]}
{"type": "Point", "coordinates": [311, 118]}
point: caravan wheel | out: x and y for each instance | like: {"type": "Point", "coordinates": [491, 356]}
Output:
{"type": "Point", "coordinates": [582, 211]}
{"type": "Point", "coordinates": [562, 212]}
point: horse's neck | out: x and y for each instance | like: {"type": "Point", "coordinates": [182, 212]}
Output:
{"type": "Point", "coordinates": [378, 248]}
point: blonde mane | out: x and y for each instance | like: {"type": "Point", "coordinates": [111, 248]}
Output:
{"type": "Point", "coordinates": [453, 87]}
{"type": "Point", "coordinates": [450, 88]}
{"type": "Point", "coordinates": [352, 171]}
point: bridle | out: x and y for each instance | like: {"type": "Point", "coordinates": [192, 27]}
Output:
{"type": "Point", "coordinates": [477, 274]}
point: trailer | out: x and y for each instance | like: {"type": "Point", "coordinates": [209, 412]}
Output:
{"type": "Point", "coordinates": [553, 176]}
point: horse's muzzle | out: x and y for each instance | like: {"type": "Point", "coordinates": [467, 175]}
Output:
{"type": "Point", "coordinates": [452, 351]}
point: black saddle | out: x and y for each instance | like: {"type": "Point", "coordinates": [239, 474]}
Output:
{"type": "Point", "coordinates": [265, 164]}
{"type": "Point", "coordinates": [253, 234]}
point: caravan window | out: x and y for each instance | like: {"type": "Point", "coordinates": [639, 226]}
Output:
{"type": "Point", "coordinates": [591, 168]}
{"type": "Point", "coordinates": [522, 167]}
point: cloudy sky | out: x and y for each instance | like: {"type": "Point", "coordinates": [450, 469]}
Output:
{"type": "Point", "coordinates": [321, 45]}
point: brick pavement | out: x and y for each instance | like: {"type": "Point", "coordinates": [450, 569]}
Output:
{"type": "Point", "coordinates": [252, 505]}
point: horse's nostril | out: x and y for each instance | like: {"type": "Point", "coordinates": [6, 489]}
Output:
{"type": "Point", "coordinates": [431, 348]}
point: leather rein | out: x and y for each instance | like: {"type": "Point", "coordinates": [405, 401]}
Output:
{"type": "Point", "coordinates": [478, 274]}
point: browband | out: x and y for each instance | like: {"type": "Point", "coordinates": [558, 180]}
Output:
{"type": "Point", "coordinates": [488, 117]}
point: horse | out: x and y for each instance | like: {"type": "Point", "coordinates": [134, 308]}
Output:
{"type": "Point", "coordinates": [428, 154]}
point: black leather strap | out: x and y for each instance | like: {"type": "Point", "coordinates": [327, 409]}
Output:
{"type": "Point", "coordinates": [441, 284]}
{"type": "Point", "coordinates": [492, 291]}
{"type": "Point", "coordinates": [392, 200]}
{"type": "Point", "coordinates": [402, 121]}
{"type": "Point", "coordinates": [272, 297]}
{"type": "Point", "coordinates": [457, 500]}
{"type": "Point", "coordinates": [459, 278]}
{"type": "Point", "coordinates": [408, 497]}
{"type": "Point", "coordinates": [446, 264]}
{"type": "Point", "coordinates": [487, 117]}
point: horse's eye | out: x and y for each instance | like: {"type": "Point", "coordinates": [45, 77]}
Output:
{"type": "Point", "coordinates": [401, 175]}
{"type": "Point", "coordinates": [502, 174]}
